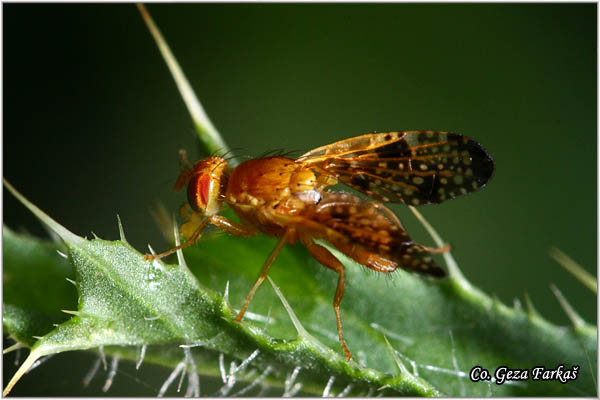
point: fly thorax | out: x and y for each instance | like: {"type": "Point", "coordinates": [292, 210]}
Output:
{"type": "Point", "coordinates": [302, 181]}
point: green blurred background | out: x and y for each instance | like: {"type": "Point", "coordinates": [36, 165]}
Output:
{"type": "Point", "coordinates": [93, 123]}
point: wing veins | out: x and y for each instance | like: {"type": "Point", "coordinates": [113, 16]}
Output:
{"type": "Point", "coordinates": [404, 173]}
{"type": "Point", "coordinates": [406, 185]}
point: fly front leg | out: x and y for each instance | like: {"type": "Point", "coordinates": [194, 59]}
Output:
{"type": "Point", "coordinates": [233, 228]}
{"type": "Point", "coordinates": [264, 271]}
{"type": "Point", "coordinates": [191, 240]}
{"type": "Point", "coordinates": [325, 258]}
{"type": "Point", "coordinates": [218, 221]}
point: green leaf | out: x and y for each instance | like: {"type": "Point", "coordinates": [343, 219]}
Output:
{"type": "Point", "coordinates": [35, 280]}
{"type": "Point", "coordinates": [438, 329]}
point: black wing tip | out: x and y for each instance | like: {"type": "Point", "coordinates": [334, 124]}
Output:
{"type": "Point", "coordinates": [483, 163]}
{"type": "Point", "coordinates": [433, 271]}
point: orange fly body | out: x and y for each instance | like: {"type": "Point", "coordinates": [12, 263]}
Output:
{"type": "Point", "coordinates": [286, 198]}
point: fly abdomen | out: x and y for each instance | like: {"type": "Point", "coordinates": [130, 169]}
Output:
{"type": "Point", "coordinates": [367, 235]}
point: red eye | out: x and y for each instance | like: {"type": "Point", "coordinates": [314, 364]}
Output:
{"type": "Point", "coordinates": [198, 191]}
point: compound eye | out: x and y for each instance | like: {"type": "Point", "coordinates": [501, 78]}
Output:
{"type": "Point", "coordinates": [198, 191]}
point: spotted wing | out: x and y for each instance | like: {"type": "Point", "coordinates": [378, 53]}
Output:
{"type": "Point", "coordinates": [413, 167]}
{"type": "Point", "coordinates": [370, 234]}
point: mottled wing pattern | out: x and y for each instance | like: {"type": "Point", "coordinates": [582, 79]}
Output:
{"type": "Point", "coordinates": [413, 167]}
{"type": "Point", "coordinates": [365, 233]}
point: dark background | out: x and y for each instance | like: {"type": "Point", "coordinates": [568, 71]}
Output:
{"type": "Point", "coordinates": [93, 122]}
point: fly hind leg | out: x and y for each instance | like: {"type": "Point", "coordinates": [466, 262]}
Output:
{"type": "Point", "coordinates": [324, 256]}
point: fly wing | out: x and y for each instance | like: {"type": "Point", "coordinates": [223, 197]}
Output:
{"type": "Point", "coordinates": [366, 232]}
{"type": "Point", "coordinates": [413, 167]}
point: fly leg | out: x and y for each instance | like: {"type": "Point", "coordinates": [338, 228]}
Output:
{"type": "Point", "coordinates": [263, 273]}
{"type": "Point", "coordinates": [324, 257]}
{"type": "Point", "coordinates": [218, 221]}
{"type": "Point", "coordinates": [440, 250]}
{"type": "Point", "coordinates": [231, 227]}
{"type": "Point", "coordinates": [191, 240]}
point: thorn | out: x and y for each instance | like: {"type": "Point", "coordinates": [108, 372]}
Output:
{"type": "Point", "coordinates": [531, 311]}
{"type": "Point", "coordinates": [71, 281]}
{"type": "Point", "coordinates": [295, 389]}
{"type": "Point", "coordinates": [193, 389]}
{"type": "Point", "coordinates": [60, 230]}
{"type": "Point", "coordinates": [225, 389]}
{"type": "Point", "coordinates": [151, 318]}
{"type": "Point", "coordinates": [14, 347]}
{"type": "Point", "coordinates": [180, 258]}
{"type": "Point", "coordinates": [95, 236]}
{"type": "Point", "coordinates": [226, 292]}
{"type": "Point", "coordinates": [171, 378]}
{"type": "Point", "coordinates": [399, 364]}
{"type": "Point", "coordinates": [121, 231]}
{"type": "Point", "coordinates": [517, 305]}
{"type": "Point", "coordinates": [328, 386]}
{"type": "Point", "coordinates": [71, 312]}
{"type": "Point", "coordinates": [37, 337]}
{"type": "Point", "coordinates": [102, 356]}
{"type": "Point", "coordinates": [299, 328]}
{"type": "Point", "coordinates": [92, 372]}
{"type": "Point", "coordinates": [574, 269]}
{"type": "Point", "coordinates": [151, 250]}
{"type": "Point", "coordinates": [140, 357]}
{"type": "Point", "coordinates": [576, 320]}
{"type": "Point", "coordinates": [182, 376]}
{"type": "Point", "coordinates": [391, 334]}
{"type": "Point", "coordinates": [222, 367]}
{"type": "Point", "coordinates": [289, 381]}
{"type": "Point", "coordinates": [255, 383]}
{"type": "Point", "coordinates": [245, 363]}
{"type": "Point", "coordinates": [63, 255]}
{"type": "Point", "coordinates": [258, 317]}
{"type": "Point", "coordinates": [346, 391]}
{"type": "Point", "coordinates": [32, 358]}
{"type": "Point", "coordinates": [269, 320]}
